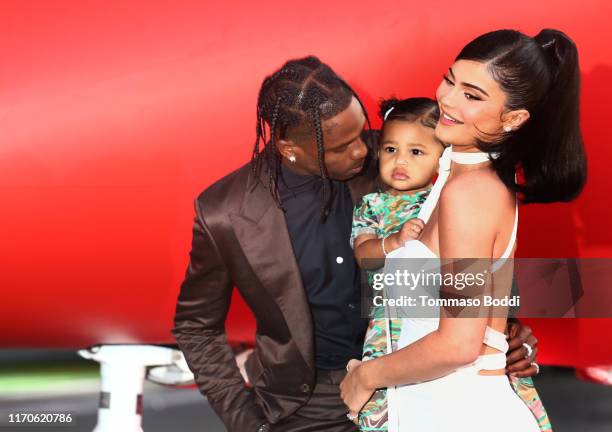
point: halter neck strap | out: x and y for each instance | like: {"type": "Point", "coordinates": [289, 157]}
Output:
{"type": "Point", "coordinates": [471, 158]}
{"type": "Point", "coordinates": [432, 200]}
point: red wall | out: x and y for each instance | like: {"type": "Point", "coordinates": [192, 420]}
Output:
{"type": "Point", "coordinates": [114, 115]}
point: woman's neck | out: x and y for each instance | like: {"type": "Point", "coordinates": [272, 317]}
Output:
{"type": "Point", "coordinates": [468, 148]}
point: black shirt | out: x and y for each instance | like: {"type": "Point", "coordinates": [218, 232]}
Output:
{"type": "Point", "coordinates": [329, 271]}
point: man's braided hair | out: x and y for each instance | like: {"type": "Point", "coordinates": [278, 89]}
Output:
{"type": "Point", "coordinates": [294, 101]}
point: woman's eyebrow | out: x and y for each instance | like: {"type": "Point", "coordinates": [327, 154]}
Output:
{"type": "Point", "coordinates": [475, 87]}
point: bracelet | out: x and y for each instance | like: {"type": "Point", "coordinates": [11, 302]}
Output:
{"type": "Point", "coordinates": [383, 246]}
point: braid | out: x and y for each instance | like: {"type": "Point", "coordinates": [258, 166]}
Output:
{"type": "Point", "coordinates": [326, 202]}
{"type": "Point", "coordinates": [273, 161]}
{"type": "Point", "coordinates": [304, 92]}
{"type": "Point", "coordinates": [259, 131]}
{"type": "Point", "coordinates": [356, 96]}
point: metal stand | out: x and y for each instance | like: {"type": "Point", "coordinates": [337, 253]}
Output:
{"type": "Point", "coordinates": [122, 370]}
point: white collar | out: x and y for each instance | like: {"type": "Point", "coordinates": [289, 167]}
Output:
{"type": "Point", "coordinates": [471, 158]}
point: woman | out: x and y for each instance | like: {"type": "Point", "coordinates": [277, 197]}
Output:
{"type": "Point", "coordinates": [508, 102]}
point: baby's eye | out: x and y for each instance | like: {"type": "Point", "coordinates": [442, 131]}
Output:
{"type": "Point", "coordinates": [390, 149]}
{"type": "Point", "coordinates": [416, 152]}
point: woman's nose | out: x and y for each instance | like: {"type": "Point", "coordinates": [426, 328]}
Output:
{"type": "Point", "coordinates": [447, 99]}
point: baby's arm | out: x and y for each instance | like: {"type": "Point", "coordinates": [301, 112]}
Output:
{"type": "Point", "coordinates": [368, 246]}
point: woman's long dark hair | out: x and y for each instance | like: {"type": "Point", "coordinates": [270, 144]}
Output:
{"type": "Point", "coordinates": [541, 75]}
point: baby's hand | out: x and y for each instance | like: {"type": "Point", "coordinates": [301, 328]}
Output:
{"type": "Point", "coordinates": [411, 230]}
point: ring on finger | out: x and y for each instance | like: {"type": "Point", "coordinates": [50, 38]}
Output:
{"type": "Point", "coordinates": [537, 366]}
{"type": "Point", "coordinates": [351, 416]}
{"type": "Point", "coordinates": [529, 349]}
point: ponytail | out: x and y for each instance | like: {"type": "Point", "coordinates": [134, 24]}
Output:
{"type": "Point", "coordinates": [562, 169]}
{"type": "Point", "coordinates": [541, 75]}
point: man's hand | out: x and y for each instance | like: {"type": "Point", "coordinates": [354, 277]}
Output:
{"type": "Point", "coordinates": [352, 390]}
{"type": "Point", "coordinates": [518, 361]}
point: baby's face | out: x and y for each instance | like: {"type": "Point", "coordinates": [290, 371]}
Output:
{"type": "Point", "coordinates": [408, 155]}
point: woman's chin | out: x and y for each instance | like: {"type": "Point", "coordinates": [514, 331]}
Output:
{"type": "Point", "coordinates": [444, 134]}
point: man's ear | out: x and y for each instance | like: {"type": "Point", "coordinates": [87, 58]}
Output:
{"type": "Point", "coordinates": [287, 148]}
{"type": "Point", "coordinates": [513, 120]}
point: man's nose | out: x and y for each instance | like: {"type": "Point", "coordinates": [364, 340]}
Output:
{"type": "Point", "coordinates": [360, 151]}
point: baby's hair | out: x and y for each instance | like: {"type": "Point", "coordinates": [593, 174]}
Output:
{"type": "Point", "coordinates": [418, 108]}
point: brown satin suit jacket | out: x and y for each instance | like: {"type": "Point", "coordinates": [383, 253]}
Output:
{"type": "Point", "coordinates": [240, 239]}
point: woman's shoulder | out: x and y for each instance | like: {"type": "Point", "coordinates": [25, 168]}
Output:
{"type": "Point", "coordinates": [478, 189]}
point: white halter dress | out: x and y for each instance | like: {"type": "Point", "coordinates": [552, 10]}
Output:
{"type": "Point", "coordinates": [463, 400]}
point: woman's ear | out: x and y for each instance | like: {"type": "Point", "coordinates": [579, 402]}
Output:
{"type": "Point", "coordinates": [513, 120]}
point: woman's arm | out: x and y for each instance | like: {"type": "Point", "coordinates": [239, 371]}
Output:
{"type": "Point", "coordinates": [467, 228]}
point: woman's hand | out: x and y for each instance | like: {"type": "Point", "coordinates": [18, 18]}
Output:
{"type": "Point", "coordinates": [353, 391]}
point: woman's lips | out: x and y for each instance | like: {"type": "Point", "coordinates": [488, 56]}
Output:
{"type": "Point", "coordinates": [448, 120]}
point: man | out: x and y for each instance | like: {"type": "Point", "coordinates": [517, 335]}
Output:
{"type": "Point", "coordinates": [279, 230]}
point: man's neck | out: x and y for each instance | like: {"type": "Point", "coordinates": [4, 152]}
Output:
{"type": "Point", "coordinates": [296, 169]}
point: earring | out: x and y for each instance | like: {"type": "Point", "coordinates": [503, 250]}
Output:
{"type": "Point", "coordinates": [507, 128]}
{"type": "Point", "coordinates": [292, 158]}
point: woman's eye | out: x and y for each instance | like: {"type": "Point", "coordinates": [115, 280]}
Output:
{"type": "Point", "coordinates": [469, 96]}
{"type": "Point", "coordinates": [447, 79]}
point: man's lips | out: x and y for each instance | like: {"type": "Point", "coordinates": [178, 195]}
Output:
{"type": "Point", "coordinates": [355, 170]}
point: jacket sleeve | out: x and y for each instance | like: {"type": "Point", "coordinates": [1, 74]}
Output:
{"type": "Point", "coordinates": [199, 329]}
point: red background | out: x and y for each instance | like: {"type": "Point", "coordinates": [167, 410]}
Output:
{"type": "Point", "coordinates": [115, 115]}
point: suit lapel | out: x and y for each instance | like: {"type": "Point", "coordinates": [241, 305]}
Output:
{"type": "Point", "coordinates": [261, 229]}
